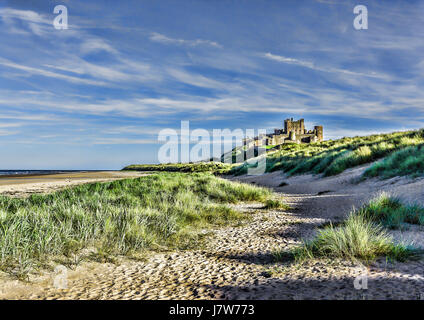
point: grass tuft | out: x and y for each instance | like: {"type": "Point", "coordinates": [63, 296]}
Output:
{"type": "Point", "coordinates": [362, 235]}
{"type": "Point", "coordinates": [357, 238]}
{"type": "Point", "coordinates": [391, 212]}
{"type": "Point", "coordinates": [275, 204]}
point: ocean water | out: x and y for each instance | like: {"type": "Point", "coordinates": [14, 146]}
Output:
{"type": "Point", "coordinates": [30, 172]}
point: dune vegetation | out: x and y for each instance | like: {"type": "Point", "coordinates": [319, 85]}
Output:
{"type": "Point", "coordinates": [405, 162]}
{"type": "Point", "coordinates": [164, 210]}
{"type": "Point", "coordinates": [363, 235]}
{"type": "Point", "coordinates": [392, 213]}
{"type": "Point", "coordinates": [357, 238]}
{"type": "Point", "coordinates": [212, 167]}
{"type": "Point", "coordinates": [332, 157]}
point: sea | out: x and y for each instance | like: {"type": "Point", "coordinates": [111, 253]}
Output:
{"type": "Point", "coordinates": [33, 172]}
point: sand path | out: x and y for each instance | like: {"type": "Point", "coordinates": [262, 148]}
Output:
{"type": "Point", "coordinates": [236, 262]}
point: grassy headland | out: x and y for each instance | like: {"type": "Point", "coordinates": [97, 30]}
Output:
{"type": "Point", "coordinates": [164, 210]}
{"type": "Point", "coordinates": [212, 167]}
{"type": "Point", "coordinates": [332, 157]}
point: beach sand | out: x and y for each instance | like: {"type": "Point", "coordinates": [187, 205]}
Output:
{"type": "Point", "coordinates": [25, 185]}
{"type": "Point", "coordinates": [237, 262]}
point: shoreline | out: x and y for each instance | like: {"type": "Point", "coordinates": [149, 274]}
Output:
{"type": "Point", "coordinates": [46, 172]}
{"type": "Point", "coordinates": [25, 185]}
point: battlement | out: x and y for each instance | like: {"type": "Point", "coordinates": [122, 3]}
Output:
{"type": "Point", "coordinates": [293, 132]}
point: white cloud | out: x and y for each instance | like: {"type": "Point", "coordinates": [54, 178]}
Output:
{"type": "Point", "coordinates": [96, 44]}
{"type": "Point", "coordinates": [124, 141]}
{"type": "Point", "coordinates": [289, 60]}
{"type": "Point", "coordinates": [199, 80]}
{"type": "Point", "coordinates": [27, 117]}
{"type": "Point", "coordinates": [10, 125]}
{"type": "Point", "coordinates": [311, 65]}
{"type": "Point", "coordinates": [157, 37]}
{"type": "Point", "coordinates": [7, 132]}
{"type": "Point", "coordinates": [26, 15]}
{"type": "Point", "coordinates": [145, 130]}
{"type": "Point", "coordinates": [36, 24]}
{"type": "Point", "coordinates": [49, 74]}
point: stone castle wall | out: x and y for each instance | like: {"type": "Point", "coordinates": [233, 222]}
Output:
{"type": "Point", "coordinates": [293, 132]}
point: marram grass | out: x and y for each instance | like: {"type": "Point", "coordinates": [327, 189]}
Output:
{"type": "Point", "coordinates": [357, 238]}
{"type": "Point", "coordinates": [117, 218]}
{"type": "Point", "coordinates": [332, 157]}
{"type": "Point", "coordinates": [392, 213]}
{"type": "Point", "coordinates": [211, 167]}
{"type": "Point", "coordinates": [405, 162]}
{"type": "Point", "coordinates": [363, 235]}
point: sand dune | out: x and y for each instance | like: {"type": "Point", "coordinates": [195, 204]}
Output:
{"type": "Point", "coordinates": [236, 262]}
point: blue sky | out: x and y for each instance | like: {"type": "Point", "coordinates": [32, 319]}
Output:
{"type": "Point", "coordinates": [96, 95]}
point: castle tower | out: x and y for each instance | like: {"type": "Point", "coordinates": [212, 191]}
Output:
{"type": "Point", "coordinates": [319, 132]}
{"type": "Point", "coordinates": [287, 125]}
{"type": "Point", "coordinates": [297, 126]}
{"type": "Point", "coordinates": [302, 126]}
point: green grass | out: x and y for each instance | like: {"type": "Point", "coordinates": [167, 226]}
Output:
{"type": "Point", "coordinates": [392, 213]}
{"type": "Point", "coordinates": [271, 146]}
{"type": "Point", "coordinates": [405, 162]}
{"type": "Point", "coordinates": [332, 157]}
{"type": "Point", "coordinates": [117, 218]}
{"type": "Point", "coordinates": [356, 239]}
{"type": "Point", "coordinates": [275, 204]}
{"type": "Point", "coordinates": [211, 167]}
{"type": "Point", "coordinates": [362, 236]}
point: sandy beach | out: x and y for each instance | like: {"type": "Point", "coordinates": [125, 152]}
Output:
{"type": "Point", "coordinates": [237, 263]}
{"type": "Point", "coordinates": [25, 185]}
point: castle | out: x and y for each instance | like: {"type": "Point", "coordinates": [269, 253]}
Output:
{"type": "Point", "coordinates": [293, 132]}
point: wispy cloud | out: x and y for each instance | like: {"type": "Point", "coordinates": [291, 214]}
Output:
{"type": "Point", "coordinates": [10, 125]}
{"type": "Point", "coordinates": [46, 73]}
{"type": "Point", "coordinates": [311, 65]}
{"type": "Point", "coordinates": [121, 141]}
{"type": "Point", "coordinates": [110, 81]}
{"type": "Point", "coordinates": [94, 44]}
{"type": "Point", "coordinates": [25, 21]}
{"type": "Point", "coordinates": [157, 37]}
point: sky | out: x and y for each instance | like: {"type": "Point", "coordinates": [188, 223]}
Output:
{"type": "Point", "coordinates": [96, 95]}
